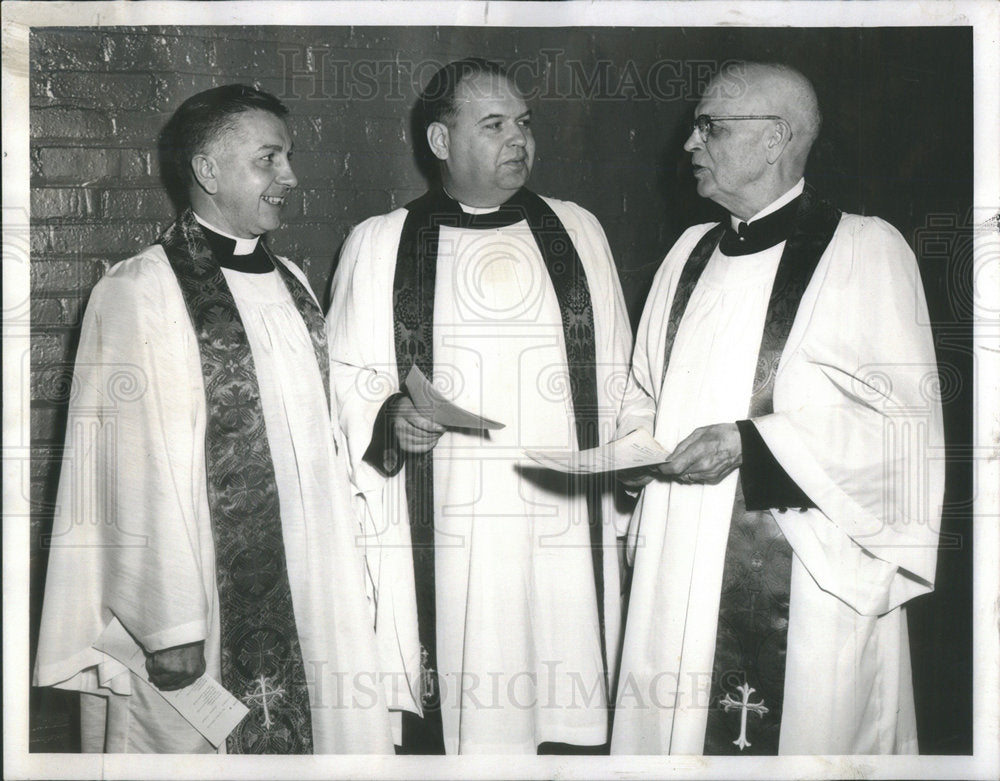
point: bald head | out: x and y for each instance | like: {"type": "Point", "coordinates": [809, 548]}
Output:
{"type": "Point", "coordinates": [774, 88]}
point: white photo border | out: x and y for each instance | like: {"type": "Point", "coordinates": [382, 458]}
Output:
{"type": "Point", "coordinates": [19, 17]}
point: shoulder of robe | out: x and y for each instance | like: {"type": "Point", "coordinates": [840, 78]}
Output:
{"type": "Point", "coordinates": [871, 229]}
{"type": "Point", "coordinates": [681, 249]}
{"type": "Point", "coordinates": [674, 261]}
{"type": "Point", "coordinates": [877, 250]}
{"type": "Point", "coordinates": [694, 232]}
{"type": "Point", "coordinates": [370, 241]}
{"type": "Point", "coordinates": [140, 292]}
{"type": "Point", "coordinates": [375, 227]}
{"type": "Point", "coordinates": [150, 261]}
{"type": "Point", "coordinates": [144, 274]}
{"type": "Point", "coordinates": [564, 209]}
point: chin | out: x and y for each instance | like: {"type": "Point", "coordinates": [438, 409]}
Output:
{"type": "Point", "coordinates": [514, 182]}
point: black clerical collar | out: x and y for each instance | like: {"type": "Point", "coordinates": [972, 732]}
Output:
{"type": "Point", "coordinates": [761, 234]}
{"type": "Point", "coordinates": [449, 212]}
{"type": "Point", "coordinates": [223, 247]}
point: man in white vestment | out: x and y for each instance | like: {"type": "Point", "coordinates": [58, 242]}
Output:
{"type": "Point", "coordinates": [785, 359]}
{"type": "Point", "coordinates": [511, 304]}
{"type": "Point", "coordinates": [204, 507]}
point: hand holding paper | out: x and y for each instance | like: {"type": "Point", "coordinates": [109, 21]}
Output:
{"type": "Point", "coordinates": [706, 455]}
{"type": "Point", "coordinates": [415, 432]}
{"type": "Point", "coordinates": [206, 705]}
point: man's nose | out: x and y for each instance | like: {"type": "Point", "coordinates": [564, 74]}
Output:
{"type": "Point", "coordinates": [518, 136]}
{"type": "Point", "coordinates": [286, 176]}
{"type": "Point", "coordinates": [693, 140]}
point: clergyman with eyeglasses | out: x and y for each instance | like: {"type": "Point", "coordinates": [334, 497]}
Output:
{"type": "Point", "coordinates": [784, 358]}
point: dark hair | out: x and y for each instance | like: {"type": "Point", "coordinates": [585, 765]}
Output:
{"type": "Point", "coordinates": [437, 101]}
{"type": "Point", "coordinates": [200, 120]}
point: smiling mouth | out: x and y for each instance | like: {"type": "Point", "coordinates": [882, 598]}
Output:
{"type": "Point", "coordinates": [274, 200]}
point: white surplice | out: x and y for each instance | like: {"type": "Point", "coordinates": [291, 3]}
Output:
{"type": "Point", "coordinates": [132, 537]}
{"type": "Point", "coordinates": [857, 425]}
{"type": "Point", "coordinates": [518, 640]}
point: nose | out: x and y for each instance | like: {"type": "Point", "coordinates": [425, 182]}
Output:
{"type": "Point", "coordinates": [286, 176]}
{"type": "Point", "coordinates": [693, 141]}
{"type": "Point", "coordinates": [518, 135]}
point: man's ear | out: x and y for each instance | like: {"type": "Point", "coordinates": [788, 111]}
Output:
{"type": "Point", "coordinates": [204, 169]}
{"type": "Point", "coordinates": [438, 139]}
{"type": "Point", "coordinates": [778, 140]}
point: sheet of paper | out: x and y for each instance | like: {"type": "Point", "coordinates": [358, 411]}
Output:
{"type": "Point", "coordinates": [430, 403]}
{"type": "Point", "coordinates": [206, 705]}
{"type": "Point", "coordinates": [633, 450]}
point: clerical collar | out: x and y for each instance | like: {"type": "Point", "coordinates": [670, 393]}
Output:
{"type": "Point", "coordinates": [769, 227]}
{"type": "Point", "coordinates": [471, 209]}
{"type": "Point", "coordinates": [232, 252]}
{"type": "Point", "coordinates": [790, 195]}
{"type": "Point", "coordinates": [241, 246]}
{"type": "Point", "coordinates": [451, 212]}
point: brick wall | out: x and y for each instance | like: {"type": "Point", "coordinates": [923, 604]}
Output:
{"type": "Point", "coordinates": [611, 107]}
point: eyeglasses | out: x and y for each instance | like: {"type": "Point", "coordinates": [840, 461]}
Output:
{"type": "Point", "coordinates": [705, 125]}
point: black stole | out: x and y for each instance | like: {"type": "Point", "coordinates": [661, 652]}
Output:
{"type": "Point", "coordinates": [413, 309]}
{"type": "Point", "coordinates": [261, 658]}
{"type": "Point", "coordinates": [753, 612]}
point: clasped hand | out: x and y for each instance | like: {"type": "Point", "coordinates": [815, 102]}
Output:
{"type": "Point", "coordinates": [706, 455]}
{"type": "Point", "coordinates": [177, 667]}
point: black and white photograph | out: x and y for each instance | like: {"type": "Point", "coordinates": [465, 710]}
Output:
{"type": "Point", "coordinates": [492, 390]}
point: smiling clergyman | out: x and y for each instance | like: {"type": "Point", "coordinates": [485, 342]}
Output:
{"type": "Point", "coordinates": [213, 518]}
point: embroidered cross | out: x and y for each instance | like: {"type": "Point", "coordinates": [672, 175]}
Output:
{"type": "Point", "coordinates": [265, 694]}
{"type": "Point", "coordinates": [729, 703]}
{"type": "Point", "coordinates": [427, 682]}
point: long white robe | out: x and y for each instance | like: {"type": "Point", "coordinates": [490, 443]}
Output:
{"type": "Point", "coordinates": [518, 644]}
{"type": "Point", "coordinates": [132, 537]}
{"type": "Point", "coordinates": [857, 425]}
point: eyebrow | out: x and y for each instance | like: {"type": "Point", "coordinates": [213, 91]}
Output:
{"type": "Point", "coordinates": [490, 117]}
{"type": "Point", "coordinates": [273, 147]}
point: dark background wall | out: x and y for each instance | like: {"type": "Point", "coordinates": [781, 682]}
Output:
{"type": "Point", "coordinates": [612, 108]}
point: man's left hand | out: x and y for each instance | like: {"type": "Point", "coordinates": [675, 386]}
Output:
{"type": "Point", "coordinates": [706, 455]}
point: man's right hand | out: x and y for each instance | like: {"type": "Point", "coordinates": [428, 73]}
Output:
{"type": "Point", "coordinates": [177, 667]}
{"type": "Point", "coordinates": [414, 432]}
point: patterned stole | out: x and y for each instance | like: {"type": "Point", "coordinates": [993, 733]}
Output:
{"type": "Point", "coordinates": [413, 307]}
{"type": "Point", "coordinates": [261, 658]}
{"type": "Point", "coordinates": [749, 667]}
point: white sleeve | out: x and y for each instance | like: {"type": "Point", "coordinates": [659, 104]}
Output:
{"type": "Point", "coordinates": [363, 368]}
{"type": "Point", "coordinates": [127, 538]}
{"type": "Point", "coordinates": [858, 423]}
{"type": "Point", "coordinates": [360, 329]}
